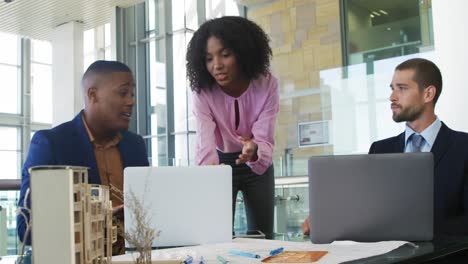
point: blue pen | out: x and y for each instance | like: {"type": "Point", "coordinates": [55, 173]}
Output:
{"type": "Point", "coordinates": [276, 251]}
{"type": "Point", "coordinates": [188, 260]}
{"type": "Point", "coordinates": [244, 254]}
{"type": "Point", "coordinates": [222, 260]}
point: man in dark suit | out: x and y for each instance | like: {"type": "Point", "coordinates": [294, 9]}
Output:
{"type": "Point", "coordinates": [96, 138]}
{"type": "Point", "coordinates": [416, 86]}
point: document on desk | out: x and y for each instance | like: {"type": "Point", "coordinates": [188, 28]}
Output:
{"type": "Point", "coordinates": [337, 252]}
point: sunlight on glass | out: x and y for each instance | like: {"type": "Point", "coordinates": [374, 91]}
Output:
{"type": "Point", "coordinates": [231, 8]}
{"type": "Point", "coordinates": [151, 15]}
{"type": "Point", "coordinates": [8, 138]}
{"type": "Point", "coordinates": [9, 53]}
{"type": "Point", "coordinates": [158, 144]}
{"type": "Point", "coordinates": [9, 101]}
{"type": "Point", "coordinates": [107, 35]}
{"type": "Point", "coordinates": [192, 147]}
{"type": "Point", "coordinates": [88, 48]}
{"type": "Point", "coordinates": [219, 8]}
{"type": "Point", "coordinates": [157, 78]}
{"type": "Point", "coordinates": [191, 16]}
{"type": "Point", "coordinates": [88, 41]}
{"type": "Point", "coordinates": [41, 51]}
{"type": "Point", "coordinates": [9, 153]}
{"type": "Point", "coordinates": [41, 93]}
{"type": "Point", "coordinates": [181, 150]}
{"type": "Point", "coordinates": [107, 54]}
{"type": "Point", "coordinates": [154, 140]}
{"type": "Point", "coordinates": [9, 161]}
{"type": "Point", "coordinates": [213, 8]}
{"type": "Point", "coordinates": [192, 123]}
{"type": "Point", "coordinates": [180, 83]}
{"type": "Point", "coordinates": [87, 60]}
{"type": "Point", "coordinates": [159, 17]}
{"type": "Point", "coordinates": [178, 8]}
{"type": "Point", "coordinates": [152, 72]}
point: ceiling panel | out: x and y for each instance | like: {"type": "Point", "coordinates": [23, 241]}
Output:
{"type": "Point", "coordinates": [37, 18]}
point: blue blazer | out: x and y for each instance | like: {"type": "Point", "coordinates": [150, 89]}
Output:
{"type": "Point", "coordinates": [69, 144]}
{"type": "Point", "coordinates": [450, 151]}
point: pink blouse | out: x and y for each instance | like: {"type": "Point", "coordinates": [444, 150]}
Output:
{"type": "Point", "coordinates": [215, 114]}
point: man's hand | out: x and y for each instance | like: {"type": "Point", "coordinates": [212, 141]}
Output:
{"type": "Point", "coordinates": [118, 212]}
{"type": "Point", "coordinates": [306, 226]}
{"type": "Point", "coordinates": [249, 151]}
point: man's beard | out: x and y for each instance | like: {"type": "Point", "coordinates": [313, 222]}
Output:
{"type": "Point", "coordinates": [409, 114]}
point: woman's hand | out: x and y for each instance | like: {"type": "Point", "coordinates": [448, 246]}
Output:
{"type": "Point", "coordinates": [249, 151]}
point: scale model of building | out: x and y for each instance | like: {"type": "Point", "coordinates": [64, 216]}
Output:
{"type": "Point", "coordinates": [71, 219]}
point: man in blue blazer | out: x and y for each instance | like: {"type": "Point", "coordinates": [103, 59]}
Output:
{"type": "Point", "coordinates": [416, 86]}
{"type": "Point", "coordinates": [96, 138]}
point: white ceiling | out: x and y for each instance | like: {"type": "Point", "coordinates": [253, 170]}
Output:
{"type": "Point", "coordinates": [37, 18]}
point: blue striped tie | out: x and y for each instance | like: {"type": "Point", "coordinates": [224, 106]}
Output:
{"type": "Point", "coordinates": [417, 141]}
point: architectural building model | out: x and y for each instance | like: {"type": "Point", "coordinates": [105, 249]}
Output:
{"type": "Point", "coordinates": [71, 219]}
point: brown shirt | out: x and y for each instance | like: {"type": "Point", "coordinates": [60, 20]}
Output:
{"type": "Point", "coordinates": [109, 164]}
{"type": "Point", "coordinates": [110, 167]}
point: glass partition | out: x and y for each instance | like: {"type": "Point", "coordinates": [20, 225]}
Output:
{"type": "Point", "coordinates": [356, 112]}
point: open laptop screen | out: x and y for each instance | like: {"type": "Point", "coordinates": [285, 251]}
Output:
{"type": "Point", "coordinates": [189, 205]}
{"type": "Point", "coordinates": [371, 197]}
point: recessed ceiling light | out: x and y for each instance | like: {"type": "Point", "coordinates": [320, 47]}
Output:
{"type": "Point", "coordinates": [376, 13]}
{"type": "Point", "coordinates": [383, 12]}
{"type": "Point", "coordinates": [389, 28]}
{"type": "Point", "coordinates": [371, 15]}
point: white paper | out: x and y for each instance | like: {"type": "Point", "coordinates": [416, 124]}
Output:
{"type": "Point", "coordinates": [338, 252]}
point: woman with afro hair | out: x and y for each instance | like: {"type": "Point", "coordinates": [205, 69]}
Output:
{"type": "Point", "coordinates": [235, 102]}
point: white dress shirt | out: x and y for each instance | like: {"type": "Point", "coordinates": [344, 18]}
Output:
{"type": "Point", "coordinates": [429, 134]}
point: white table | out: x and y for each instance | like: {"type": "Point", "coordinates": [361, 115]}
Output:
{"type": "Point", "coordinates": [337, 252]}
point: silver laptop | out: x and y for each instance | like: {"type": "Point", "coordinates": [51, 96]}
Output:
{"type": "Point", "coordinates": [189, 205]}
{"type": "Point", "coordinates": [371, 198]}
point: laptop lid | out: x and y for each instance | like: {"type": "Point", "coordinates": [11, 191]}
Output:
{"type": "Point", "coordinates": [189, 205]}
{"type": "Point", "coordinates": [371, 197]}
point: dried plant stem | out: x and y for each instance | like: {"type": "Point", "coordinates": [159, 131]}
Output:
{"type": "Point", "coordinates": [141, 236]}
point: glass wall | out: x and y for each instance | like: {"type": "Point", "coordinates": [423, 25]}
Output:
{"type": "Point", "coordinates": [25, 106]}
{"type": "Point", "coordinates": [183, 31]}
{"type": "Point", "coordinates": [96, 44]}
{"type": "Point", "coordinates": [10, 152]}
{"type": "Point", "coordinates": [10, 135]}
{"type": "Point", "coordinates": [41, 81]}
{"type": "Point", "coordinates": [377, 30]}
{"type": "Point", "coordinates": [167, 75]}
{"type": "Point", "coordinates": [360, 114]}
{"type": "Point", "coordinates": [10, 106]}
{"type": "Point", "coordinates": [10, 62]}
{"type": "Point", "coordinates": [325, 108]}
{"type": "Point", "coordinates": [155, 25]}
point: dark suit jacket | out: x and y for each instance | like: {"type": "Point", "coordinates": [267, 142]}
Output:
{"type": "Point", "coordinates": [69, 144]}
{"type": "Point", "coordinates": [450, 151]}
